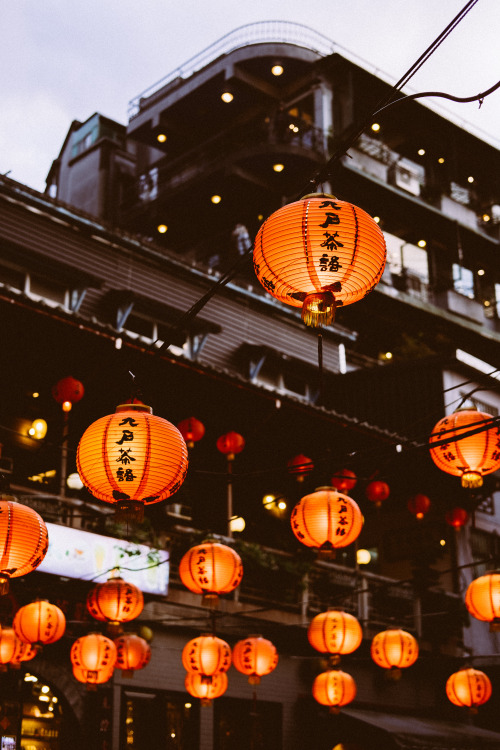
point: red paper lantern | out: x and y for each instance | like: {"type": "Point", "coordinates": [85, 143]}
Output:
{"type": "Point", "coordinates": [230, 444]}
{"type": "Point", "coordinates": [8, 641]}
{"type": "Point", "coordinates": [68, 389]}
{"type": "Point", "coordinates": [419, 505]}
{"type": "Point", "coordinates": [23, 541]}
{"type": "Point", "coordinates": [467, 457]}
{"type": "Point", "coordinates": [377, 492]}
{"type": "Point", "coordinates": [22, 652]}
{"type": "Point", "coordinates": [336, 633]}
{"type": "Point", "coordinates": [334, 688]}
{"type": "Point", "coordinates": [39, 623]}
{"type": "Point", "coordinates": [93, 657]}
{"type": "Point", "coordinates": [132, 652]}
{"type": "Point", "coordinates": [206, 655]}
{"type": "Point", "coordinates": [192, 430]}
{"type": "Point", "coordinates": [326, 519]}
{"type": "Point", "coordinates": [394, 650]}
{"type": "Point", "coordinates": [206, 691]}
{"type": "Point", "coordinates": [255, 657]}
{"type": "Point", "coordinates": [344, 480]}
{"type": "Point", "coordinates": [300, 466]}
{"type": "Point", "coordinates": [468, 687]}
{"type": "Point", "coordinates": [457, 517]}
{"type": "Point", "coordinates": [115, 601]}
{"type": "Point", "coordinates": [132, 458]}
{"type": "Point", "coordinates": [211, 569]}
{"type": "Point", "coordinates": [319, 253]}
{"type": "Point", "coordinates": [482, 599]}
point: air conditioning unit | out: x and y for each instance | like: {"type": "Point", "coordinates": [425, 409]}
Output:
{"type": "Point", "coordinates": [406, 176]}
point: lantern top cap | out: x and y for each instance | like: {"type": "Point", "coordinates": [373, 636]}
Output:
{"type": "Point", "coordinates": [327, 488]}
{"type": "Point", "coordinates": [318, 195]}
{"type": "Point", "coordinates": [133, 407]}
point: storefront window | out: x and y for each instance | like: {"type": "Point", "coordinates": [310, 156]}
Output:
{"type": "Point", "coordinates": [159, 721]}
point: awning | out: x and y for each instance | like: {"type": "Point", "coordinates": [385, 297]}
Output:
{"type": "Point", "coordinates": [410, 733]}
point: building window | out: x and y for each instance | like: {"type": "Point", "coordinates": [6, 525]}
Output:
{"type": "Point", "coordinates": [463, 280]}
{"type": "Point", "coordinates": [238, 724]}
{"type": "Point", "coordinates": [484, 547]}
{"type": "Point", "coordinates": [159, 721]}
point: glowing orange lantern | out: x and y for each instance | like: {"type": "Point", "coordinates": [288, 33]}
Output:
{"type": "Point", "coordinates": [466, 457]}
{"type": "Point", "coordinates": [230, 444]}
{"type": "Point", "coordinates": [8, 640]}
{"type": "Point", "coordinates": [377, 492]}
{"type": "Point", "coordinates": [114, 602]}
{"type": "Point", "coordinates": [319, 253]}
{"type": "Point", "coordinates": [300, 466]}
{"type": "Point", "coordinates": [207, 656]}
{"type": "Point", "coordinates": [191, 430]}
{"type": "Point", "coordinates": [211, 569]}
{"type": "Point", "coordinates": [39, 623]}
{"type": "Point", "coordinates": [344, 480]}
{"type": "Point", "coordinates": [255, 656]}
{"type": "Point", "coordinates": [206, 691]}
{"type": "Point", "coordinates": [132, 652]}
{"type": "Point", "coordinates": [23, 541]}
{"type": "Point", "coordinates": [68, 389]}
{"type": "Point", "coordinates": [22, 652]}
{"type": "Point", "coordinates": [457, 517]}
{"type": "Point", "coordinates": [482, 599]}
{"type": "Point", "coordinates": [334, 688]}
{"type": "Point", "coordinates": [132, 458]}
{"type": "Point", "coordinates": [419, 505]}
{"type": "Point", "coordinates": [335, 632]}
{"type": "Point", "coordinates": [326, 519]}
{"type": "Point", "coordinates": [468, 687]}
{"type": "Point", "coordinates": [394, 650]}
{"type": "Point", "coordinates": [93, 657]}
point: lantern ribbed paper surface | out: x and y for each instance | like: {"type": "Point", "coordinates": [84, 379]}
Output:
{"type": "Point", "coordinates": [326, 518]}
{"type": "Point", "coordinates": [22, 652]}
{"type": "Point", "coordinates": [132, 456]}
{"type": "Point", "coordinates": [206, 691]}
{"type": "Point", "coordinates": [132, 652]}
{"type": "Point", "coordinates": [206, 655]}
{"type": "Point", "coordinates": [394, 649]}
{"type": "Point", "coordinates": [335, 632]}
{"type": "Point", "coordinates": [482, 599]}
{"type": "Point", "coordinates": [319, 247]}
{"type": "Point", "coordinates": [334, 688]}
{"type": "Point", "coordinates": [93, 657]}
{"type": "Point", "coordinates": [468, 687]}
{"type": "Point", "coordinates": [466, 457]}
{"type": "Point", "coordinates": [255, 656]}
{"type": "Point", "coordinates": [39, 622]}
{"type": "Point", "coordinates": [211, 568]}
{"type": "Point", "coordinates": [23, 541]}
{"type": "Point", "coordinates": [115, 601]}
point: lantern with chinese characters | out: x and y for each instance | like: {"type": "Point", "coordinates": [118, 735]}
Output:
{"type": "Point", "coordinates": [115, 601]}
{"type": "Point", "coordinates": [468, 457]}
{"type": "Point", "coordinates": [326, 519]}
{"type": "Point", "coordinates": [39, 623]}
{"type": "Point", "coordinates": [132, 652]}
{"type": "Point", "coordinates": [255, 656]}
{"type": "Point", "coordinates": [230, 444]}
{"type": "Point", "coordinates": [377, 492]}
{"type": "Point", "coordinates": [22, 652]}
{"type": "Point", "coordinates": [191, 430]}
{"type": "Point", "coordinates": [132, 459]}
{"type": "Point", "coordinates": [319, 253]}
{"type": "Point", "coordinates": [457, 517]}
{"type": "Point", "coordinates": [334, 688]}
{"type": "Point", "coordinates": [335, 633]}
{"type": "Point", "coordinates": [344, 480]}
{"type": "Point", "coordinates": [8, 640]}
{"type": "Point", "coordinates": [23, 541]}
{"type": "Point", "coordinates": [211, 569]}
{"type": "Point", "coordinates": [206, 691]}
{"type": "Point", "coordinates": [300, 466]}
{"type": "Point", "coordinates": [468, 687]}
{"type": "Point", "coordinates": [394, 650]}
{"type": "Point", "coordinates": [419, 505]}
{"type": "Point", "coordinates": [206, 656]}
{"type": "Point", "coordinates": [93, 657]}
{"type": "Point", "coordinates": [68, 391]}
{"type": "Point", "coordinates": [482, 599]}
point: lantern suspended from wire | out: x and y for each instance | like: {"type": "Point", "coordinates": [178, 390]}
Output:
{"type": "Point", "coordinates": [482, 599]}
{"type": "Point", "coordinates": [255, 657]}
{"type": "Point", "coordinates": [211, 569]}
{"type": "Point", "coordinates": [457, 517]}
{"type": "Point", "coordinates": [335, 633]}
{"type": "Point", "coordinates": [8, 641]}
{"type": "Point", "coordinates": [23, 541]}
{"type": "Point", "coordinates": [344, 480]}
{"type": "Point", "coordinates": [207, 656]}
{"type": "Point", "coordinates": [300, 466]}
{"type": "Point", "coordinates": [468, 687]}
{"type": "Point", "coordinates": [230, 444]}
{"type": "Point", "coordinates": [93, 657]}
{"type": "Point", "coordinates": [68, 391]}
{"type": "Point", "coordinates": [419, 505]}
{"type": "Point", "coordinates": [468, 457]}
{"type": "Point", "coordinates": [132, 653]}
{"type": "Point", "coordinates": [132, 458]}
{"type": "Point", "coordinates": [326, 519]}
{"type": "Point", "coordinates": [377, 492]}
{"type": "Point", "coordinates": [39, 623]}
{"type": "Point", "coordinates": [206, 691]}
{"type": "Point", "coordinates": [192, 430]}
{"type": "Point", "coordinates": [319, 253]}
{"type": "Point", "coordinates": [394, 650]}
{"type": "Point", "coordinates": [115, 601]}
{"type": "Point", "coordinates": [334, 689]}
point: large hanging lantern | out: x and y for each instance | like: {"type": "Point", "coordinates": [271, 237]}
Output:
{"type": "Point", "coordinates": [300, 466]}
{"type": "Point", "coordinates": [255, 657]}
{"type": "Point", "coordinates": [230, 444]}
{"type": "Point", "coordinates": [211, 569]}
{"type": "Point", "coordinates": [394, 650]}
{"type": "Point", "coordinates": [93, 657]}
{"type": "Point", "coordinates": [206, 691]}
{"type": "Point", "coordinates": [132, 459]}
{"type": "Point", "coordinates": [419, 505]}
{"type": "Point", "coordinates": [39, 623]}
{"type": "Point", "coordinates": [319, 253]}
{"type": "Point", "coordinates": [467, 457]}
{"type": "Point", "coordinates": [377, 491]}
{"type": "Point", "coordinates": [207, 656]}
{"type": "Point", "coordinates": [456, 517]}
{"type": "Point", "coordinates": [132, 652]}
{"type": "Point", "coordinates": [22, 652]}
{"type": "Point", "coordinates": [326, 518]}
{"type": "Point", "coordinates": [115, 601]}
{"type": "Point", "coordinates": [8, 641]}
{"type": "Point", "coordinates": [68, 391]}
{"type": "Point", "coordinates": [482, 599]}
{"type": "Point", "coordinates": [468, 687]}
{"type": "Point", "coordinates": [344, 480]}
{"type": "Point", "coordinates": [191, 430]}
{"type": "Point", "coordinates": [23, 541]}
{"type": "Point", "coordinates": [334, 689]}
{"type": "Point", "coordinates": [336, 633]}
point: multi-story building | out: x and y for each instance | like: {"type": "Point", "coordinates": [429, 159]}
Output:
{"type": "Point", "coordinates": [98, 276]}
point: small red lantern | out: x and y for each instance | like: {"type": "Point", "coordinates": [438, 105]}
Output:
{"type": "Point", "coordinates": [482, 599]}
{"type": "Point", "coordinates": [344, 480]}
{"type": "Point", "coordinates": [8, 641]}
{"type": "Point", "coordinates": [23, 541]}
{"type": "Point", "coordinates": [230, 444]}
{"type": "Point", "coordinates": [115, 601]}
{"type": "Point", "coordinates": [326, 519]}
{"type": "Point", "coordinates": [394, 650]}
{"type": "Point", "coordinates": [211, 569]}
{"type": "Point", "coordinates": [93, 657]}
{"type": "Point", "coordinates": [377, 492]}
{"type": "Point", "coordinates": [457, 517]}
{"type": "Point", "coordinates": [256, 657]}
{"type": "Point", "coordinates": [206, 691]}
{"type": "Point", "coordinates": [419, 505]}
{"type": "Point", "coordinates": [68, 389]}
{"type": "Point", "coordinates": [334, 688]}
{"type": "Point", "coordinates": [132, 652]}
{"type": "Point", "coordinates": [206, 656]}
{"type": "Point", "coordinates": [39, 623]}
{"type": "Point", "coordinates": [468, 687]}
{"type": "Point", "coordinates": [22, 652]}
{"type": "Point", "coordinates": [300, 466]}
{"type": "Point", "coordinates": [335, 632]}
{"type": "Point", "coordinates": [192, 430]}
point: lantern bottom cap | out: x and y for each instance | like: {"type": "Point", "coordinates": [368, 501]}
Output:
{"type": "Point", "coordinates": [472, 479]}
{"type": "Point", "coordinates": [495, 625]}
{"type": "Point", "coordinates": [318, 309]}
